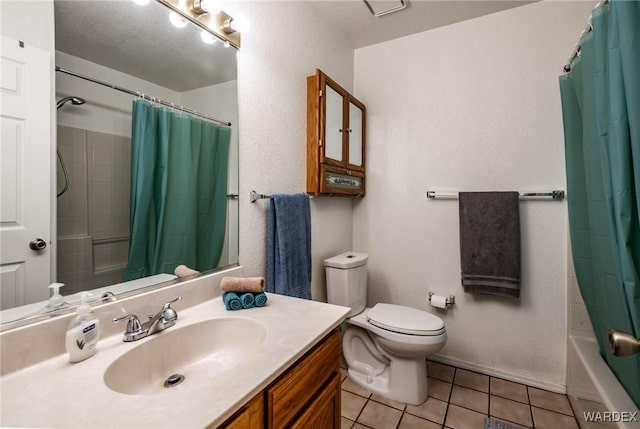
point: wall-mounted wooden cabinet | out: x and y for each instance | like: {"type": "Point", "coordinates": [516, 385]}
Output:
{"type": "Point", "coordinates": [335, 139]}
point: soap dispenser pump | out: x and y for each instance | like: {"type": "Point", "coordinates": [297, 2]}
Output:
{"type": "Point", "coordinates": [83, 332]}
{"type": "Point", "coordinates": [56, 300]}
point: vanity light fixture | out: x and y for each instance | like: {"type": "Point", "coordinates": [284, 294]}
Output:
{"type": "Point", "coordinates": [233, 25]}
{"type": "Point", "coordinates": [207, 6]}
{"type": "Point", "coordinates": [206, 15]}
{"type": "Point", "coordinates": [384, 7]}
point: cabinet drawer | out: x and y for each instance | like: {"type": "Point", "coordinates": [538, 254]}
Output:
{"type": "Point", "coordinates": [335, 180]}
{"type": "Point", "coordinates": [287, 396]}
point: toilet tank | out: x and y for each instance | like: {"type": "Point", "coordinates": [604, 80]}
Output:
{"type": "Point", "coordinates": [347, 280]}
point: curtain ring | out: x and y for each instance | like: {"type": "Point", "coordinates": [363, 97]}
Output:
{"type": "Point", "coordinates": [172, 106]}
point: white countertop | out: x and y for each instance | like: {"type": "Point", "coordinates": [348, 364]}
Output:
{"type": "Point", "coordinates": [56, 393]}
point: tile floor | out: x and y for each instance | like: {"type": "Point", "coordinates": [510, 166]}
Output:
{"type": "Point", "coordinates": [458, 399]}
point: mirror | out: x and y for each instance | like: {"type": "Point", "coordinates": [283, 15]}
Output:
{"type": "Point", "coordinates": [134, 48]}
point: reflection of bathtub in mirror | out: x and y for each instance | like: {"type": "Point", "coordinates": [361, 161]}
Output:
{"type": "Point", "coordinates": [120, 290]}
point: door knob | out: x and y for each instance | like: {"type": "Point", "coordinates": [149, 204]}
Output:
{"type": "Point", "coordinates": [37, 244]}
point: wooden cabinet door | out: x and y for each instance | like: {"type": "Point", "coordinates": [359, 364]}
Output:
{"type": "Point", "coordinates": [289, 395]}
{"type": "Point", "coordinates": [251, 416]}
{"type": "Point", "coordinates": [324, 411]}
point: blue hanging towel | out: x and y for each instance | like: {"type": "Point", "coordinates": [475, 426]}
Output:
{"type": "Point", "coordinates": [289, 245]}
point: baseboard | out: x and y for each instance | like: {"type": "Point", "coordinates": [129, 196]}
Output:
{"type": "Point", "coordinates": [516, 378]}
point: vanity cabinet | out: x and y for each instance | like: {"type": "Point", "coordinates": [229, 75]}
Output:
{"type": "Point", "coordinates": [307, 395]}
{"type": "Point", "coordinates": [336, 123]}
{"type": "Point", "coordinates": [250, 416]}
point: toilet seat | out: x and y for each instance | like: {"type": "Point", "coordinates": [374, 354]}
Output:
{"type": "Point", "coordinates": [405, 320]}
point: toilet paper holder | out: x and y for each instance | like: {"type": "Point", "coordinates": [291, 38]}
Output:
{"type": "Point", "coordinates": [450, 300]}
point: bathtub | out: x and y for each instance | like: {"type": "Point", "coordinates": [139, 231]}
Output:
{"type": "Point", "coordinates": [593, 389]}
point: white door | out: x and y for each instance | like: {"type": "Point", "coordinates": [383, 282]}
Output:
{"type": "Point", "coordinates": [25, 173]}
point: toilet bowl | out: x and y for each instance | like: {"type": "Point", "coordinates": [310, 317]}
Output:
{"type": "Point", "coordinates": [384, 346]}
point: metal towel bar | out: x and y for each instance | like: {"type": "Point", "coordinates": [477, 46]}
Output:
{"type": "Point", "coordinates": [557, 195]}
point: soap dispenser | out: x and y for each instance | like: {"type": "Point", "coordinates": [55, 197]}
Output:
{"type": "Point", "coordinates": [56, 300]}
{"type": "Point", "coordinates": [83, 332]}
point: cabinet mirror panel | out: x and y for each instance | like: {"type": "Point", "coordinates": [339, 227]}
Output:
{"type": "Point", "coordinates": [355, 135]}
{"type": "Point", "coordinates": [333, 125]}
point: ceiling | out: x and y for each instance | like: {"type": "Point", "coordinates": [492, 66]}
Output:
{"type": "Point", "coordinates": [363, 29]}
{"type": "Point", "coordinates": [141, 42]}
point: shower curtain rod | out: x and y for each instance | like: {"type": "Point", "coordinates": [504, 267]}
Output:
{"type": "Point", "coordinates": [576, 51]}
{"type": "Point", "coordinates": [142, 95]}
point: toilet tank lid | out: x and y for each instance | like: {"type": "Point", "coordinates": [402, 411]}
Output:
{"type": "Point", "coordinates": [400, 318]}
{"type": "Point", "coordinates": [347, 260]}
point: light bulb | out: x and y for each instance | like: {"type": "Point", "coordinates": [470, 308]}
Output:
{"type": "Point", "coordinates": [141, 2]}
{"type": "Point", "coordinates": [226, 44]}
{"type": "Point", "coordinates": [207, 38]}
{"type": "Point", "coordinates": [177, 20]}
{"type": "Point", "coordinates": [211, 6]}
{"type": "Point", "coordinates": [240, 24]}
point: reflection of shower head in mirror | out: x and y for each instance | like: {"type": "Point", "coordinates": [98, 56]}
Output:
{"type": "Point", "coordinates": [74, 100]}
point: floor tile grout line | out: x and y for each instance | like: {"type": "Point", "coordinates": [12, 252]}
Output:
{"type": "Point", "coordinates": [446, 411]}
{"type": "Point", "coordinates": [361, 410]}
{"type": "Point", "coordinates": [533, 423]}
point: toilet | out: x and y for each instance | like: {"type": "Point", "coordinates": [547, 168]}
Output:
{"type": "Point", "coordinates": [384, 346]}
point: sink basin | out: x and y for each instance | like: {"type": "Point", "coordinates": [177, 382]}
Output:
{"type": "Point", "coordinates": [212, 348]}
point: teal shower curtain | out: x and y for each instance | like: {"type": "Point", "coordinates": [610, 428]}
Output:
{"type": "Point", "coordinates": [178, 192]}
{"type": "Point", "coordinates": [601, 113]}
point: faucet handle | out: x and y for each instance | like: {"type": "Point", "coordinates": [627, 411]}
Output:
{"type": "Point", "coordinates": [134, 328]}
{"type": "Point", "coordinates": [167, 305]}
{"type": "Point", "coordinates": [169, 314]}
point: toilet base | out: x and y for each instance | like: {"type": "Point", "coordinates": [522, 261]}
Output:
{"type": "Point", "coordinates": [404, 380]}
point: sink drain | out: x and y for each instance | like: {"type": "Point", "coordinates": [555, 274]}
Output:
{"type": "Point", "coordinates": [174, 380]}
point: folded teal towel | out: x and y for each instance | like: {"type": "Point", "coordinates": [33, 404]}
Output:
{"type": "Point", "coordinates": [247, 300]}
{"type": "Point", "coordinates": [232, 301]}
{"type": "Point", "coordinates": [261, 299]}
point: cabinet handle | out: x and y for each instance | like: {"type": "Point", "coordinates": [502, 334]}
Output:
{"type": "Point", "coordinates": [340, 130]}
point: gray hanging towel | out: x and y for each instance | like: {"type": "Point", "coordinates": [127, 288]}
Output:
{"type": "Point", "coordinates": [289, 245]}
{"type": "Point", "coordinates": [490, 242]}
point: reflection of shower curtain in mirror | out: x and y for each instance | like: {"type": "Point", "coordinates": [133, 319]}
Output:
{"type": "Point", "coordinates": [178, 192]}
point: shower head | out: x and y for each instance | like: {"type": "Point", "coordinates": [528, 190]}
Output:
{"type": "Point", "coordinates": [74, 100]}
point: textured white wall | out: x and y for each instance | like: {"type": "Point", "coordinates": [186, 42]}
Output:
{"type": "Point", "coordinates": [286, 44]}
{"type": "Point", "coordinates": [471, 106]}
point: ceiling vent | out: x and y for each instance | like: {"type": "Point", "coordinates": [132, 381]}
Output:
{"type": "Point", "coordinates": [384, 7]}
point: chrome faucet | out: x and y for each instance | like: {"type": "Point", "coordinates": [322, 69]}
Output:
{"type": "Point", "coordinates": [135, 330]}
